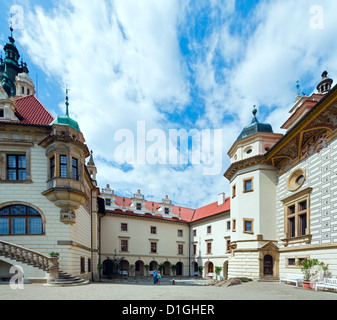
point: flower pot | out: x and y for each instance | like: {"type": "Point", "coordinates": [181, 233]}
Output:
{"type": "Point", "coordinates": [308, 285]}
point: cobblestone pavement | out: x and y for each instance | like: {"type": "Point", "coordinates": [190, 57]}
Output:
{"type": "Point", "coordinates": [143, 290]}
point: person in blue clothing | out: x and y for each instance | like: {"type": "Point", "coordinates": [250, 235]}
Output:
{"type": "Point", "coordinates": [155, 276]}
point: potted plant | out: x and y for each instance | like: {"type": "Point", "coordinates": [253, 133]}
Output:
{"type": "Point", "coordinates": [161, 268]}
{"type": "Point", "coordinates": [217, 273]}
{"type": "Point", "coordinates": [201, 269]}
{"type": "Point", "coordinates": [54, 254]}
{"type": "Point", "coordinates": [147, 268]}
{"type": "Point", "coordinates": [174, 269]}
{"type": "Point", "coordinates": [311, 269]}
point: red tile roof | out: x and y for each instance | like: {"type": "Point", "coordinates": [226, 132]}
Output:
{"type": "Point", "coordinates": [31, 111]}
{"type": "Point", "coordinates": [187, 214]}
{"type": "Point", "coordinates": [211, 209]}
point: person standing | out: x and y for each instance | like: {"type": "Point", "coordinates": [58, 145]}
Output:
{"type": "Point", "coordinates": [155, 276]}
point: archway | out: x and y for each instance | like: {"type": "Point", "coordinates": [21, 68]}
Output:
{"type": "Point", "coordinates": [139, 268]}
{"type": "Point", "coordinates": [125, 268]}
{"type": "Point", "coordinates": [179, 271]}
{"type": "Point", "coordinates": [167, 268]}
{"type": "Point", "coordinates": [107, 267]}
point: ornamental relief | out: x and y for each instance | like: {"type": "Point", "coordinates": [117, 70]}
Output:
{"type": "Point", "coordinates": [315, 144]}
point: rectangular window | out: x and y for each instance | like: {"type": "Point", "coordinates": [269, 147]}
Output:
{"type": "Point", "coordinates": [82, 265]}
{"type": "Point", "coordinates": [153, 230]}
{"type": "Point", "coordinates": [139, 206]}
{"type": "Point", "coordinates": [248, 225]}
{"type": "Point", "coordinates": [2, 113]}
{"type": "Point", "coordinates": [228, 247]}
{"type": "Point", "coordinates": [124, 245]}
{"type": "Point", "coordinates": [16, 167]}
{"type": "Point", "coordinates": [108, 202]}
{"type": "Point", "coordinates": [63, 167]}
{"type": "Point", "coordinates": [124, 227]}
{"type": "Point", "coordinates": [52, 168]}
{"type": "Point", "coordinates": [234, 191]}
{"type": "Point", "coordinates": [180, 233]}
{"type": "Point", "coordinates": [194, 233]}
{"type": "Point", "coordinates": [89, 265]}
{"type": "Point", "coordinates": [228, 225]}
{"type": "Point", "coordinates": [167, 211]}
{"type": "Point", "coordinates": [180, 249]}
{"type": "Point", "coordinates": [209, 248]}
{"type": "Point", "coordinates": [194, 249]}
{"type": "Point", "coordinates": [297, 216]}
{"type": "Point", "coordinates": [291, 262]}
{"type": "Point", "coordinates": [234, 225]}
{"type": "Point", "coordinates": [209, 229]}
{"type": "Point", "coordinates": [248, 185]}
{"type": "Point", "coordinates": [153, 247]}
{"type": "Point", "coordinates": [75, 169]}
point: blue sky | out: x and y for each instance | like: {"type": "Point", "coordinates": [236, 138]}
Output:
{"type": "Point", "coordinates": [175, 64]}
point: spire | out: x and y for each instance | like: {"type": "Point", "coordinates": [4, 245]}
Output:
{"type": "Point", "coordinates": [66, 120]}
{"type": "Point", "coordinates": [67, 102]}
{"type": "Point", "coordinates": [91, 160]}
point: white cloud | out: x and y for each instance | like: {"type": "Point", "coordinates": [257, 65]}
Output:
{"type": "Point", "coordinates": [123, 64]}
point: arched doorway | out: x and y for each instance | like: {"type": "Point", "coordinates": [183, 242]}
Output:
{"type": "Point", "coordinates": [125, 268]}
{"type": "Point", "coordinates": [167, 268]}
{"type": "Point", "coordinates": [209, 269]}
{"type": "Point", "coordinates": [268, 263]}
{"type": "Point", "coordinates": [179, 271]}
{"type": "Point", "coordinates": [139, 268]}
{"type": "Point", "coordinates": [107, 267]}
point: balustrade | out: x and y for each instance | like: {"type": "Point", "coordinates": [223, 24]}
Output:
{"type": "Point", "coordinates": [30, 257]}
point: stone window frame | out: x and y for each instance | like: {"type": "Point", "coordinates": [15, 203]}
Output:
{"type": "Point", "coordinates": [296, 200]}
{"type": "Point", "coordinates": [19, 151]}
{"type": "Point", "coordinates": [27, 205]}
{"type": "Point", "coordinates": [244, 220]}
{"type": "Point", "coordinates": [251, 179]}
{"type": "Point", "coordinates": [70, 153]}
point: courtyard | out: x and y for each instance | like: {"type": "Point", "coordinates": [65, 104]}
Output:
{"type": "Point", "coordinates": [184, 289]}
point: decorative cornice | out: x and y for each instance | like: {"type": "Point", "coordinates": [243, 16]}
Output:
{"type": "Point", "coordinates": [242, 164]}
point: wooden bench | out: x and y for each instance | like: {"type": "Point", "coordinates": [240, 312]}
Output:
{"type": "Point", "coordinates": [294, 278]}
{"type": "Point", "coordinates": [330, 283]}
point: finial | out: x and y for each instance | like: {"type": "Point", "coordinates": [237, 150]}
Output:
{"type": "Point", "coordinates": [254, 111]}
{"type": "Point", "coordinates": [67, 101]}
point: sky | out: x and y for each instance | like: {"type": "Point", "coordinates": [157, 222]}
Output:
{"type": "Point", "coordinates": [142, 72]}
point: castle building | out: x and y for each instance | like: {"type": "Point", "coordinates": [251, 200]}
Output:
{"type": "Point", "coordinates": [48, 193]}
{"type": "Point", "coordinates": [282, 206]}
{"type": "Point", "coordinates": [148, 235]}
{"type": "Point", "coordinates": [283, 190]}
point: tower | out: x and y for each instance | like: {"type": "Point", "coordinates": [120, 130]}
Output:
{"type": "Point", "coordinates": [253, 212]}
{"type": "Point", "coordinates": [14, 75]}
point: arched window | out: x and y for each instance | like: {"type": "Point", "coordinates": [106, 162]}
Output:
{"type": "Point", "coordinates": [20, 220]}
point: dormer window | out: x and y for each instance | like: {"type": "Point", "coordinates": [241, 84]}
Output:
{"type": "Point", "coordinates": [167, 211]}
{"type": "Point", "coordinates": [139, 206]}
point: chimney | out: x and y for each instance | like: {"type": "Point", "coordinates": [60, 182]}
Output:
{"type": "Point", "coordinates": [221, 199]}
